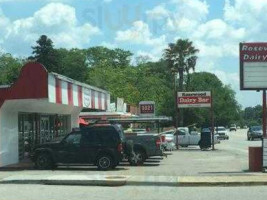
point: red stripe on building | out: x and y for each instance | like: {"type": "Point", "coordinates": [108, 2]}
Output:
{"type": "Point", "coordinates": [93, 99]}
{"type": "Point", "coordinates": [58, 91]}
{"type": "Point", "coordinates": [99, 100]}
{"type": "Point", "coordinates": [70, 94]}
{"type": "Point", "coordinates": [106, 101]}
{"type": "Point", "coordinates": [80, 96]}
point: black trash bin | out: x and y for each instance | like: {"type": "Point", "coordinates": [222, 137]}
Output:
{"type": "Point", "coordinates": [205, 140]}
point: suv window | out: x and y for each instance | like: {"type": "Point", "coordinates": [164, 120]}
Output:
{"type": "Point", "coordinates": [73, 138]}
{"type": "Point", "coordinates": [90, 137]}
{"type": "Point", "coordinates": [107, 135]}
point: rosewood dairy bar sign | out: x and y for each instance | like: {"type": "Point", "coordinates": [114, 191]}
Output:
{"type": "Point", "coordinates": [194, 99]}
{"type": "Point", "coordinates": [253, 66]}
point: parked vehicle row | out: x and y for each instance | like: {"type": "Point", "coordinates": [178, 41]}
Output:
{"type": "Point", "coordinates": [103, 145]}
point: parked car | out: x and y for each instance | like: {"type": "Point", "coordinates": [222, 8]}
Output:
{"type": "Point", "coordinates": [233, 127]}
{"type": "Point", "coordinates": [100, 145]}
{"type": "Point", "coordinates": [254, 132]}
{"type": "Point", "coordinates": [144, 146]}
{"type": "Point", "coordinates": [169, 143]}
{"type": "Point", "coordinates": [221, 133]}
{"type": "Point", "coordinates": [186, 139]}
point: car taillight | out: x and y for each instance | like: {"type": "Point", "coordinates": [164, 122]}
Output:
{"type": "Point", "coordinates": [158, 142]}
{"type": "Point", "coordinates": [163, 137]}
{"type": "Point", "coordinates": [120, 147]}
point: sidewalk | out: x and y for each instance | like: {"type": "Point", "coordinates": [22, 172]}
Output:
{"type": "Point", "coordinates": [106, 180]}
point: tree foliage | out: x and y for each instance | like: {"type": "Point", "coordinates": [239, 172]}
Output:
{"type": "Point", "coordinates": [9, 68]}
{"type": "Point", "coordinates": [226, 108]}
{"type": "Point", "coordinates": [111, 69]}
{"type": "Point", "coordinates": [45, 53]}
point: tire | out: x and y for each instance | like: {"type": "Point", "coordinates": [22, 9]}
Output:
{"type": "Point", "coordinates": [44, 161]}
{"type": "Point", "coordinates": [138, 158]}
{"type": "Point", "coordinates": [252, 138]}
{"type": "Point", "coordinates": [105, 162]}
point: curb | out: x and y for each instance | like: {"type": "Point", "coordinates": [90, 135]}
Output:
{"type": "Point", "coordinates": [68, 180]}
{"type": "Point", "coordinates": [114, 181]}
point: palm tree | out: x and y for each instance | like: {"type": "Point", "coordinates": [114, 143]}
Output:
{"type": "Point", "coordinates": [181, 57]}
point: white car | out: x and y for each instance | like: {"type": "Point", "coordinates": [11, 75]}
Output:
{"type": "Point", "coordinates": [221, 132]}
{"type": "Point", "coordinates": [186, 139]}
{"type": "Point", "coordinates": [169, 143]}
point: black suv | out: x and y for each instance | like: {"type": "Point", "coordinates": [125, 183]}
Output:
{"type": "Point", "coordinates": [101, 145]}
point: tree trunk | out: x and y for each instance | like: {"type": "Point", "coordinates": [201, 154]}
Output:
{"type": "Point", "coordinates": [181, 88]}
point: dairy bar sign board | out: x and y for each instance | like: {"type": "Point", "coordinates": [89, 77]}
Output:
{"type": "Point", "coordinates": [253, 66]}
{"type": "Point", "coordinates": [194, 99]}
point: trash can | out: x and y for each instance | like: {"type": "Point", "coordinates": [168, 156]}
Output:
{"type": "Point", "coordinates": [205, 140]}
{"type": "Point", "coordinates": [255, 159]}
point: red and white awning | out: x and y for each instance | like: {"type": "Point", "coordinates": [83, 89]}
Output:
{"type": "Point", "coordinates": [67, 91]}
{"type": "Point", "coordinates": [35, 82]}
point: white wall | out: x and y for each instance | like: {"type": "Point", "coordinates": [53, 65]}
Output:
{"type": "Point", "coordinates": [9, 123]}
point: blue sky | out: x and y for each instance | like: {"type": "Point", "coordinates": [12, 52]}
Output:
{"type": "Point", "coordinates": [144, 27]}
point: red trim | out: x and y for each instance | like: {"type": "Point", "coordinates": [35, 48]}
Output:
{"type": "Point", "coordinates": [58, 91]}
{"type": "Point", "coordinates": [99, 101]}
{"type": "Point", "coordinates": [70, 94]}
{"type": "Point", "coordinates": [93, 99]}
{"type": "Point", "coordinates": [80, 96]}
{"type": "Point", "coordinates": [31, 84]}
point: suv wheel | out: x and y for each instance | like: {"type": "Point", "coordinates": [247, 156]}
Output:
{"type": "Point", "coordinates": [104, 162]}
{"type": "Point", "coordinates": [137, 158]}
{"type": "Point", "coordinates": [44, 161]}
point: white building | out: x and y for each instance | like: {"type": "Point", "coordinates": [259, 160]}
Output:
{"type": "Point", "coordinates": [40, 107]}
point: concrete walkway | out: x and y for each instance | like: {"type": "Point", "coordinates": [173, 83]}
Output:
{"type": "Point", "coordinates": [120, 180]}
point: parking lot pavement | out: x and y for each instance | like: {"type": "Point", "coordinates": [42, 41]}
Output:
{"type": "Point", "coordinates": [230, 157]}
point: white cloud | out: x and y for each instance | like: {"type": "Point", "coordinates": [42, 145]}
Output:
{"type": "Point", "coordinates": [140, 33]}
{"type": "Point", "coordinates": [187, 15]}
{"type": "Point", "coordinates": [158, 12]}
{"type": "Point", "coordinates": [249, 14]}
{"type": "Point", "coordinates": [109, 45]}
{"type": "Point", "coordinates": [58, 21]}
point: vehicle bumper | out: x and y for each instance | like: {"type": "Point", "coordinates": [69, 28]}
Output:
{"type": "Point", "coordinates": [223, 137]}
{"type": "Point", "coordinates": [256, 136]}
{"type": "Point", "coordinates": [158, 152]}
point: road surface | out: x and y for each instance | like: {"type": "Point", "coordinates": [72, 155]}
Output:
{"type": "Point", "coordinates": [44, 192]}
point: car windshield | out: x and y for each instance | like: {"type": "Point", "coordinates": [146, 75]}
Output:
{"type": "Point", "coordinates": [256, 128]}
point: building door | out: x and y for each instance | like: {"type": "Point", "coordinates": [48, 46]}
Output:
{"type": "Point", "coordinates": [27, 134]}
{"type": "Point", "coordinates": [45, 132]}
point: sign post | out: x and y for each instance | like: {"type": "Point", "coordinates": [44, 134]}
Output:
{"type": "Point", "coordinates": [197, 100]}
{"type": "Point", "coordinates": [253, 73]}
{"type": "Point", "coordinates": [264, 114]}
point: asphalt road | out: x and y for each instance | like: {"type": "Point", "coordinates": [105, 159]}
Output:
{"type": "Point", "coordinates": [230, 157]}
{"type": "Point", "coordinates": [40, 192]}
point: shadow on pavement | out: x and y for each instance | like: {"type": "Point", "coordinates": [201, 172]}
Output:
{"type": "Point", "coordinates": [144, 165]}
{"type": "Point", "coordinates": [247, 172]}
